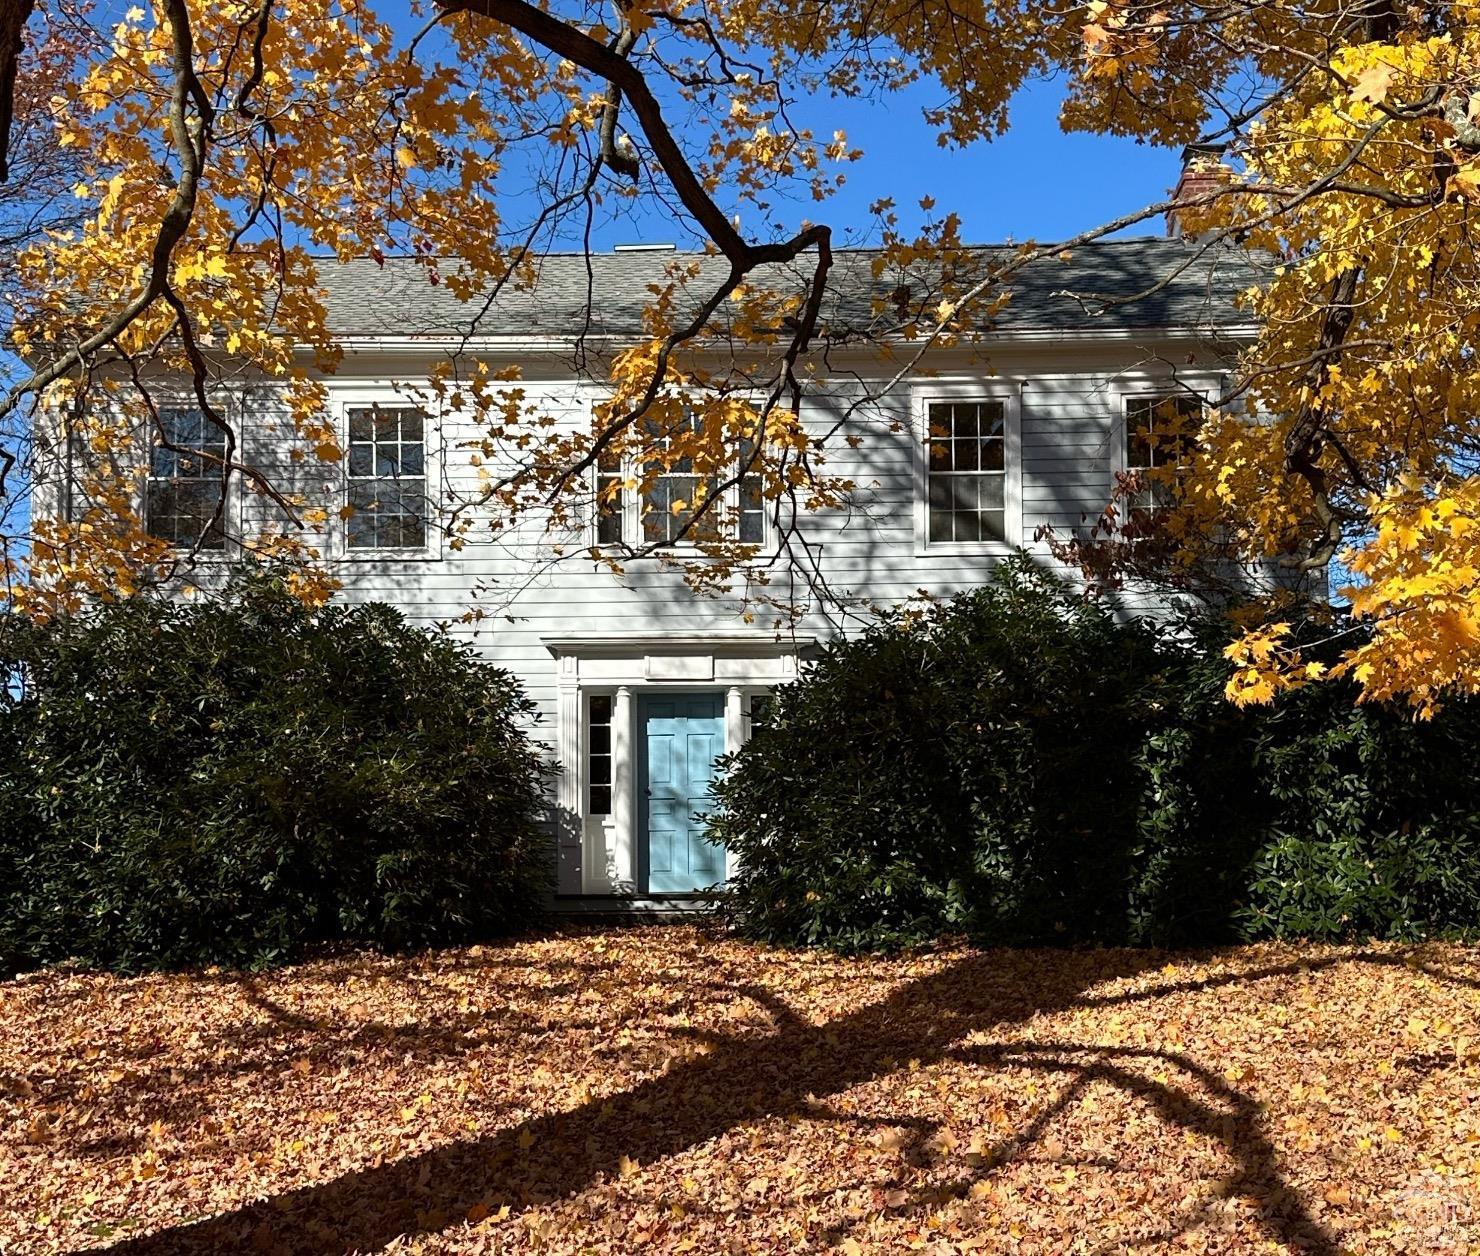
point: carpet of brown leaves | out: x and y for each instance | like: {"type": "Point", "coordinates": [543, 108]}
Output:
{"type": "Point", "coordinates": [661, 1090]}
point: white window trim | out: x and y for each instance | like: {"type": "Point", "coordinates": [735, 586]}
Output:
{"type": "Point", "coordinates": [388, 397]}
{"type": "Point", "coordinates": [1126, 389]}
{"type": "Point", "coordinates": [1009, 392]}
{"type": "Point", "coordinates": [230, 409]}
{"type": "Point", "coordinates": [632, 517]}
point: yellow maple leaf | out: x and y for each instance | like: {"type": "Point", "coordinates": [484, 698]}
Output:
{"type": "Point", "coordinates": [1372, 84]}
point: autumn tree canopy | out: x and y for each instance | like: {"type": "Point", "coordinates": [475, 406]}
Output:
{"type": "Point", "coordinates": [223, 146]}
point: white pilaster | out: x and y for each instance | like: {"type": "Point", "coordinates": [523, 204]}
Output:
{"type": "Point", "coordinates": [734, 719]}
{"type": "Point", "coordinates": [624, 791]}
{"type": "Point", "coordinates": [575, 864]}
{"type": "Point", "coordinates": [734, 739]}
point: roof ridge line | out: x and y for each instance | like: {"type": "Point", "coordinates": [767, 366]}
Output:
{"type": "Point", "coordinates": [648, 255]}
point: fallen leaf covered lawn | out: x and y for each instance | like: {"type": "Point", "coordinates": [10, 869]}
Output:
{"type": "Point", "coordinates": [658, 1089]}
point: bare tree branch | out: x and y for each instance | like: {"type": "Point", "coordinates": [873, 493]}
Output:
{"type": "Point", "coordinates": [14, 14]}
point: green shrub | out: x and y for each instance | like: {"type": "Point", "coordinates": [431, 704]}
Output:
{"type": "Point", "coordinates": [975, 766]}
{"type": "Point", "coordinates": [1375, 820]}
{"type": "Point", "coordinates": [1018, 765]}
{"type": "Point", "coordinates": [232, 779]}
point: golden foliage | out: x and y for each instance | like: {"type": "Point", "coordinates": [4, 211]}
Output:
{"type": "Point", "coordinates": [223, 166]}
{"type": "Point", "coordinates": [1347, 433]}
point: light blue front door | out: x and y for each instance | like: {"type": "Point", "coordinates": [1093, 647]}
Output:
{"type": "Point", "coordinates": [682, 736]}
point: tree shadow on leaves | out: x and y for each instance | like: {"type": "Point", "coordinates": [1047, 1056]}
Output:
{"type": "Point", "coordinates": [268, 1047]}
{"type": "Point", "coordinates": [1227, 1115]}
{"type": "Point", "coordinates": [789, 1071]}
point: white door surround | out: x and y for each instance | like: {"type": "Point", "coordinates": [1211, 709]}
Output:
{"type": "Point", "coordinates": [738, 665]}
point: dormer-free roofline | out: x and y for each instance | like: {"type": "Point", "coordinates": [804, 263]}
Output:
{"type": "Point", "coordinates": [441, 346]}
{"type": "Point", "coordinates": [1144, 287]}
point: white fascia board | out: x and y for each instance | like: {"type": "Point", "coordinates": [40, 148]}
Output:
{"type": "Point", "coordinates": [441, 346]}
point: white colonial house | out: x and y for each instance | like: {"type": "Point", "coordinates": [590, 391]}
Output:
{"type": "Point", "coordinates": [641, 683]}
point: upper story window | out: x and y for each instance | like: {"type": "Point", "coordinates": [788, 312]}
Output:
{"type": "Point", "coordinates": [183, 499]}
{"type": "Point", "coordinates": [1160, 432]}
{"type": "Point", "coordinates": [669, 514]}
{"type": "Point", "coordinates": [611, 499]}
{"type": "Point", "coordinates": [386, 473]}
{"type": "Point", "coordinates": [966, 471]}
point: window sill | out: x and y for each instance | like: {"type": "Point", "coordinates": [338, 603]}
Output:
{"type": "Point", "coordinates": [387, 556]}
{"type": "Point", "coordinates": [691, 550]}
{"type": "Point", "coordinates": [965, 549]}
{"type": "Point", "coordinates": [206, 558]}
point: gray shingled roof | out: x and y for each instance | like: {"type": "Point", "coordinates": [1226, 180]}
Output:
{"type": "Point", "coordinates": [397, 298]}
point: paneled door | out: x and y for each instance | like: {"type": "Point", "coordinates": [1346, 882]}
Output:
{"type": "Point", "coordinates": [682, 736]}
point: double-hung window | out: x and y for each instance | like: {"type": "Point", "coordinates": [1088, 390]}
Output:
{"type": "Point", "coordinates": [668, 516]}
{"type": "Point", "coordinates": [386, 492]}
{"type": "Point", "coordinates": [183, 503]}
{"type": "Point", "coordinates": [966, 471]}
{"type": "Point", "coordinates": [1160, 432]}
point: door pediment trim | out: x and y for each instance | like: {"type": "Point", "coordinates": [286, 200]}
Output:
{"type": "Point", "coordinates": [716, 644]}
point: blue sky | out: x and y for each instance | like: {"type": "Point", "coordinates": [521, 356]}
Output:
{"type": "Point", "coordinates": [1034, 182]}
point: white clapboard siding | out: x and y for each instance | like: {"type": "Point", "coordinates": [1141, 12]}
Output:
{"type": "Point", "coordinates": [1068, 448]}
{"type": "Point", "coordinates": [1069, 442]}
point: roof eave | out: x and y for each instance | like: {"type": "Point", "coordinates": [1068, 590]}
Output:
{"type": "Point", "coordinates": [443, 345]}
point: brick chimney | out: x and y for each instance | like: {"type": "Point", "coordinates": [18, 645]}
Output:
{"type": "Point", "coordinates": [1202, 172]}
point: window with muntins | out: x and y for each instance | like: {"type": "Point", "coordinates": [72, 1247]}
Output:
{"type": "Point", "coordinates": [611, 498]}
{"type": "Point", "coordinates": [186, 481]}
{"type": "Point", "coordinates": [1160, 431]}
{"type": "Point", "coordinates": [667, 514]}
{"type": "Point", "coordinates": [966, 471]}
{"type": "Point", "coordinates": [387, 485]}
{"type": "Point", "coordinates": [757, 712]}
{"type": "Point", "coordinates": [599, 755]}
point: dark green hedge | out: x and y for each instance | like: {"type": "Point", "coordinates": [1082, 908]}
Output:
{"type": "Point", "coordinates": [1017, 765]}
{"type": "Point", "coordinates": [233, 779]}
